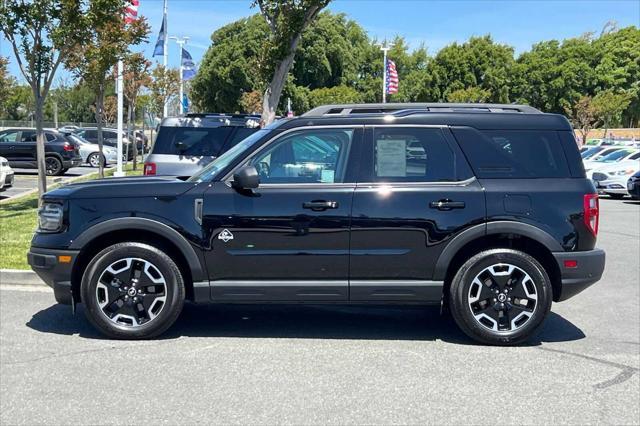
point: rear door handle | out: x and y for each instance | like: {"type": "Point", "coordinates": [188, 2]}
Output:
{"type": "Point", "coordinates": [319, 205]}
{"type": "Point", "coordinates": [446, 204]}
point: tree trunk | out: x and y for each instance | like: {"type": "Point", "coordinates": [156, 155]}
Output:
{"type": "Point", "coordinates": [271, 96]}
{"type": "Point", "coordinates": [40, 157]}
{"type": "Point", "coordinates": [99, 112]}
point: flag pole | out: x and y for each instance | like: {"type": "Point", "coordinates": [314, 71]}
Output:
{"type": "Point", "coordinates": [165, 51]}
{"type": "Point", "coordinates": [119, 83]}
{"type": "Point", "coordinates": [385, 49]}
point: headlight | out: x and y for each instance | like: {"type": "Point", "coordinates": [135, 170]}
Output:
{"type": "Point", "coordinates": [622, 172]}
{"type": "Point", "coordinates": [50, 217]}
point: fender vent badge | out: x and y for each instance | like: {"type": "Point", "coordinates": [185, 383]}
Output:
{"type": "Point", "coordinates": [225, 235]}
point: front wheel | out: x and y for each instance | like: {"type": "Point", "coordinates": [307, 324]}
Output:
{"type": "Point", "coordinates": [500, 296]}
{"type": "Point", "coordinates": [95, 159]}
{"type": "Point", "coordinates": [132, 291]}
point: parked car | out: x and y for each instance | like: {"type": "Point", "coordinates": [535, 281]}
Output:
{"type": "Point", "coordinates": [633, 186]}
{"type": "Point", "coordinates": [68, 128]}
{"type": "Point", "coordinates": [109, 138]}
{"type": "Point", "coordinates": [597, 152]}
{"type": "Point", "coordinates": [330, 208]}
{"type": "Point", "coordinates": [184, 145]}
{"type": "Point", "coordinates": [90, 152]}
{"type": "Point", "coordinates": [613, 157]}
{"type": "Point", "coordinates": [6, 174]}
{"type": "Point", "coordinates": [18, 146]}
{"type": "Point", "coordinates": [612, 178]}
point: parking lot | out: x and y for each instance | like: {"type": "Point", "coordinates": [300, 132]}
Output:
{"type": "Point", "coordinates": [27, 180]}
{"type": "Point", "coordinates": [333, 364]}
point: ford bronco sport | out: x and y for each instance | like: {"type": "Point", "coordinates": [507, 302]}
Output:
{"type": "Point", "coordinates": [483, 209]}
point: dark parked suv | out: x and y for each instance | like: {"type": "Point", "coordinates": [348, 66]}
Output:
{"type": "Point", "coordinates": [484, 209]}
{"type": "Point", "coordinates": [18, 146]}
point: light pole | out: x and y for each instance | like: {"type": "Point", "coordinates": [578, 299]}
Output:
{"type": "Point", "coordinates": [165, 51]}
{"type": "Point", "coordinates": [181, 41]}
{"type": "Point", "coordinates": [385, 48]}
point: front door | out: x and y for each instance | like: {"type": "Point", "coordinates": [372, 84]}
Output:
{"type": "Point", "coordinates": [288, 239]}
{"type": "Point", "coordinates": [415, 193]}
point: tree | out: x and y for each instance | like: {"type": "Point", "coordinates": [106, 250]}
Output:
{"type": "Point", "coordinates": [165, 85]}
{"type": "Point", "coordinates": [251, 102]}
{"type": "Point", "coordinates": [7, 84]}
{"type": "Point", "coordinates": [136, 76]}
{"type": "Point", "coordinates": [583, 116]}
{"type": "Point", "coordinates": [287, 19]}
{"type": "Point", "coordinates": [608, 106]}
{"type": "Point", "coordinates": [108, 42]}
{"type": "Point", "coordinates": [42, 34]}
{"type": "Point", "coordinates": [470, 94]}
{"type": "Point", "coordinates": [334, 95]}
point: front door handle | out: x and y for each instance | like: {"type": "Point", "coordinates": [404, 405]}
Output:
{"type": "Point", "coordinates": [446, 204]}
{"type": "Point", "coordinates": [319, 205]}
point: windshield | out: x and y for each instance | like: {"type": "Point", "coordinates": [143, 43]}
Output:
{"type": "Point", "coordinates": [615, 156]}
{"type": "Point", "coordinates": [590, 152]}
{"type": "Point", "coordinates": [211, 171]}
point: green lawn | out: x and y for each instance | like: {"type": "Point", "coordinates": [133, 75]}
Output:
{"type": "Point", "coordinates": [18, 220]}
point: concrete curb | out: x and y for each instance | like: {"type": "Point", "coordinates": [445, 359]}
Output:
{"type": "Point", "coordinates": [20, 277]}
{"type": "Point", "coordinates": [56, 182]}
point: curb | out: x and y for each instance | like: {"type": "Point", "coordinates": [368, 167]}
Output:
{"type": "Point", "coordinates": [56, 182]}
{"type": "Point", "coordinates": [20, 277]}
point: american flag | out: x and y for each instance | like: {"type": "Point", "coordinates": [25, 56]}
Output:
{"type": "Point", "coordinates": [392, 77]}
{"type": "Point", "coordinates": [131, 11]}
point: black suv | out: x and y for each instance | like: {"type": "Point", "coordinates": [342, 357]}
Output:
{"type": "Point", "coordinates": [18, 146]}
{"type": "Point", "coordinates": [484, 209]}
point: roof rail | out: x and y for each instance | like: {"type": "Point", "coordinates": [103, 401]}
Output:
{"type": "Point", "coordinates": [219, 114]}
{"type": "Point", "coordinates": [393, 108]}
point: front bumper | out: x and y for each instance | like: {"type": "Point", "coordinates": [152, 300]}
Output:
{"type": "Point", "coordinates": [612, 186]}
{"type": "Point", "coordinates": [56, 274]}
{"type": "Point", "coordinates": [589, 268]}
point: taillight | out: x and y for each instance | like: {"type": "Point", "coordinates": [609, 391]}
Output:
{"type": "Point", "coordinates": [591, 212]}
{"type": "Point", "coordinates": [149, 169]}
{"type": "Point", "coordinates": [68, 147]}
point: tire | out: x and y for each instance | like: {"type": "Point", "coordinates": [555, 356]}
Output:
{"type": "Point", "coordinates": [94, 159]}
{"type": "Point", "coordinates": [109, 292]}
{"type": "Point", "coordinates": [616, 196]}
{"type": "Point", "coordinates": [53, 166]}
{"type": "Point", "coordinates": [496, 319]}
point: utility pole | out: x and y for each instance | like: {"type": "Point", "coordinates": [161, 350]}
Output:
{"type": "Point", "coordinates": [385, 48]}
{"type": "Point", "coordinates": [181, 41]}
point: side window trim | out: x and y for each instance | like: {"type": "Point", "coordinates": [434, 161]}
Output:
{"type": "Point", "coordinates": [353, 156]}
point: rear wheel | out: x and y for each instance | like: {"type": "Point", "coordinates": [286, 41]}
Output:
{"type": "Point", "coordinates": [500, 296]}
{"type": "Point", "coordinates": [53, 166]}
{"type": "Point", "coordinates": [132, 291]}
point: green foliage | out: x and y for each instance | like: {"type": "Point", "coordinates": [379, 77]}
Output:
{"type": "Point", "coordinates": [609, 106]}
{"type": "Point", "coordinates": [334, 95]}
{"type": "Point", "coordinates": [6, 85]}
{"type": "Point", "coordinates": [164, 85]}
{"type": "Point", "coordinates": [470, 94]}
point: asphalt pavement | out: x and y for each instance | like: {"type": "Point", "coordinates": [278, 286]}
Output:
{"type": "Point", "coordinates": [332, 364]}
{"type": "Point", "coordinates": [26, 180]}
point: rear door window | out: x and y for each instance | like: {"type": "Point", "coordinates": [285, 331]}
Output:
{"type": "Point", "coordinates": [191, 141]}
{"type": "Point", "coordinates": [513, 153]}
{"type": "Point", "coordinates": [404, 154]}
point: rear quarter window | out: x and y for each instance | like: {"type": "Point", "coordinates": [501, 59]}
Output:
{"type": "Point", "coordinates": [513, 153]}
{"type": "Point", "coordinates": [191, 141]}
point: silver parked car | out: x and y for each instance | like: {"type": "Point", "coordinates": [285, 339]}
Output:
{"type": "Point", "coordinates": [90, 152]}
{"type": "Point", "coordinates": [184, 145]}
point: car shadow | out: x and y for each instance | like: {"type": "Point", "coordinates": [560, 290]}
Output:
{"type": "Point", "coordinates": [304, 322]}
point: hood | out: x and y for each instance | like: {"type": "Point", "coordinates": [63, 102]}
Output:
{"type": "Point", "coordinates": [126, 187]}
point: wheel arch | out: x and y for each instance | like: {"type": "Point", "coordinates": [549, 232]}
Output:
{"type": "Point", "coordinates": [143, 230]}
{"type": "Point", "coordinates": [519, 236]}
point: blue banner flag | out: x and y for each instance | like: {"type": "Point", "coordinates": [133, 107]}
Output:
{"type": "Point", "coordinates": [188, 66]}
{"type": "Point", "coordinates": [159, 50]}
{"type": "Point", "coordinates": [185, 103]}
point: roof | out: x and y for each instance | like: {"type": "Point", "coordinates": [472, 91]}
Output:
{"type": "Point", "coordinates": [398, 108]}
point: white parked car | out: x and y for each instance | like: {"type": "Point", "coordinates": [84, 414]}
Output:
{"type": "Point", "coordinates": [614, 157]}
{"type": "Point", "coordinates": [6, 174]}
{"type": "Point", "coordinates": [90, 152]}
{"type": "Point", "coordinates": [612, 178]}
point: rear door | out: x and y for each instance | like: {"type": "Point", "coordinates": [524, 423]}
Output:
{"type": "Point", "coordinates": [415, 193]}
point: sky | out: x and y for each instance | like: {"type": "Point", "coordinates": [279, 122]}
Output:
{"type": "Point", "coordinates": [519, 23]}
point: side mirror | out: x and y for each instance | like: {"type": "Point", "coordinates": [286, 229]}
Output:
{"type": "Point", "coordinates": [246, 178]}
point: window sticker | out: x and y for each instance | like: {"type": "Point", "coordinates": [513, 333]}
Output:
{"type": "Point", "coordinates": [391, 158]}
{"type": "Point", "coordinates": [327, 176]}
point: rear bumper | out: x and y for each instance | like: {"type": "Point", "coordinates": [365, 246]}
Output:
{"type": "Point", "coordinates": [57, 275]}
{"type": "Point", "coordinates": [589, 268]}
{"type": "Point", "coordinates": [75, 162]}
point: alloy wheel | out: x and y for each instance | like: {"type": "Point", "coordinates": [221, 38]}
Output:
{"type": "Point", "coordinates": [131, 292]}
{"type": "Point", "coordinates": [502, 297]}
{"type": "Point", "coordinates": [94, 160]}
{"type": "Point", "coordinates": [53, 166]}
